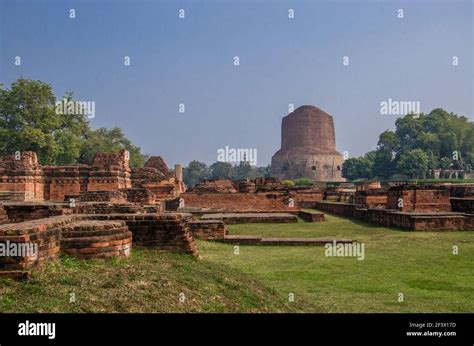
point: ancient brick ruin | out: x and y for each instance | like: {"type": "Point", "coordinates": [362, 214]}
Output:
{"type": "Point", "coordinates": [409, 206]}
{"type": "Point", "coordinates": [94, 211]}
{"type": "Point", "coordinates": [260, 194]}
{"type": "Point", "coordinates": [23, 179]}
{"type": "Point", "coordinates": [105, 209]}
{"type": "Point", "coordinates": [308, 147]}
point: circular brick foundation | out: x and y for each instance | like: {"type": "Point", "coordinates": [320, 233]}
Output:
{"type": "Point", "coordinates": [96, 239]}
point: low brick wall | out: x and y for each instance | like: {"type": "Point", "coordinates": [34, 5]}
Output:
{"type": "Point", "coordinates": [256, 240]}
{"type": "Point", "coordinates": [463, 205]}
{"type": "Point", "coordinates": [21, 212]}
{"type": "Point", "coordinates": [169, 231]}
{"type": "Point", "coordinates": [429, 198]}
{"type": "Point", "coordinates": [41, 235]}
{"type": "Point", "coordinates": [375, 198]}
{"type": "Point", "coordinates": [108, 208]}
{"type": "Point", "coordinates": [208, 229]}
{"type": "Point", "coordinates": [3, 215]}
{"type": "Point", "coordinates": [96, 239]}
{"type": "Point", "coordinates": [251, 202]}
{"type": "Point", "coordinates": [104, 196]}
{"type": "Point", "coordinates": [238, 218]}
{"type": "Point", "coordinates": [418, 221]}
{"type": "Point", "coordinates": [311, 216]}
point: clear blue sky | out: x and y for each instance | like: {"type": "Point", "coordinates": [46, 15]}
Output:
{"type": "Point", "coordinates": [282, 61]}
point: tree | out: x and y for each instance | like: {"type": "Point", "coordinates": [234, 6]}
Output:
{"type": "Point", "coordinates": [388, 140]}
{"type": "Point", "coordinates": [262, 171]}
{"type": "Point", "coordinates": [445, 163]}
{"type": "Point", "coordinates": [108, 140]}
{"type": "Point", "coordinates": [357, 168]}
{"type": "Point", "coordinates": [243, 171]}
{"type": "Point", "coordinates": [221, 170]}
{"type": "Point", "coordinates": [413, 163]}
{"type": "Point", "coordinates": [384, 164]}
{"type": "Point", "coordinates": [29, 121]}
{"type": "Point", "coordinates": [195, 173]}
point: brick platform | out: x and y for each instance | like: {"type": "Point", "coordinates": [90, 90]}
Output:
{"type": "Point", "coordinates": [252, 201]}
{"type": "Point", "coordinates": [92, 236]}
{"type": "Point", "coordinates": [417, 221]}
{"type": "Point", "coordinates": [169, 231]}
{"type": "Point", "coordinates": [208, 229]}
{"type": "Point", "coordinates": [237, 218]}
{"type": "Point", "coordinates": [311, 215]}
{"type": "Point", "coordinates": [23, 211]}
{"type": "Point", "coordinates": [96, 239]}
{"type": "Point", "coordinates": [371, 198]}
{"type": "Point", "coordinates": [419, 198]}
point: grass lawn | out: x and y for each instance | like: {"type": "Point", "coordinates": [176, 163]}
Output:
{"type": "Point", "coordinates": [420, 265]}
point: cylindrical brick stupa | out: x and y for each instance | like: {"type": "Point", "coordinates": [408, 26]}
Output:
{"type": "Point", "coordinates": [308, 147]}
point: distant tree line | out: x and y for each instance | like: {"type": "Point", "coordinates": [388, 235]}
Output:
{"type": "Point", "coordinates": [197, 171]}
{"type": "Point", "coordinates": [29, 122]}
{"type": "Point", "coordinates": [419, 145]}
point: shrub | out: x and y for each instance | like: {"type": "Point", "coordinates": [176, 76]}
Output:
{"type": "Point", "coordinates": [303, 182]}
{"type": "Point", "coordinates": [288, 182]}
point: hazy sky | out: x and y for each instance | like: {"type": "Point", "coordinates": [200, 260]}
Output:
{"type": "Point", "coordinates": [282, 61]}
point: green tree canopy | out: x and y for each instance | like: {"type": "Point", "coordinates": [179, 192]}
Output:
{"type": "Point", "coordinates": [357, 168]}
{"type": "Point", "coordinates": [413, 163]}
{"type": "Point", "coordinates": [221, 170]}
{"type": "Point", "coordinates": [29, 122]}
{"type": "Point", "coordinates": [108, 140]}
{"type": "Point", "coordinates": [195, 173]}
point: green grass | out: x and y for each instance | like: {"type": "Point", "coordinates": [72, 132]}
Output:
{"type": "Point", "coordinates": [149, 281]}
{"type": "Point", "coordinates": [418, 264]}
{"type": "Point", "coordinates": [421, 265]}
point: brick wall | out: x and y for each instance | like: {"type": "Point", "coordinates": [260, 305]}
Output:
{"type": "Point", "coordinates": [208, 229]}
{"type": "Point", "coordinates": [96, 239]}
{"type": "Point", "coordinates": [419, 198]}
{"type": "Point", "coordinates": [255, 202]}
{"type": "Point", "coordinates": [26, 212]}
{"type": "Point", "coordinates": [3, 215]}
{"type": "Point", "coordinates": [376, 198]}
{"type": "Point", "coordinates": [44, 233]}
{"type": "Point", "coordinates": [168, 232]}
{"type": "Point", "coordinates": [427, 221]}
